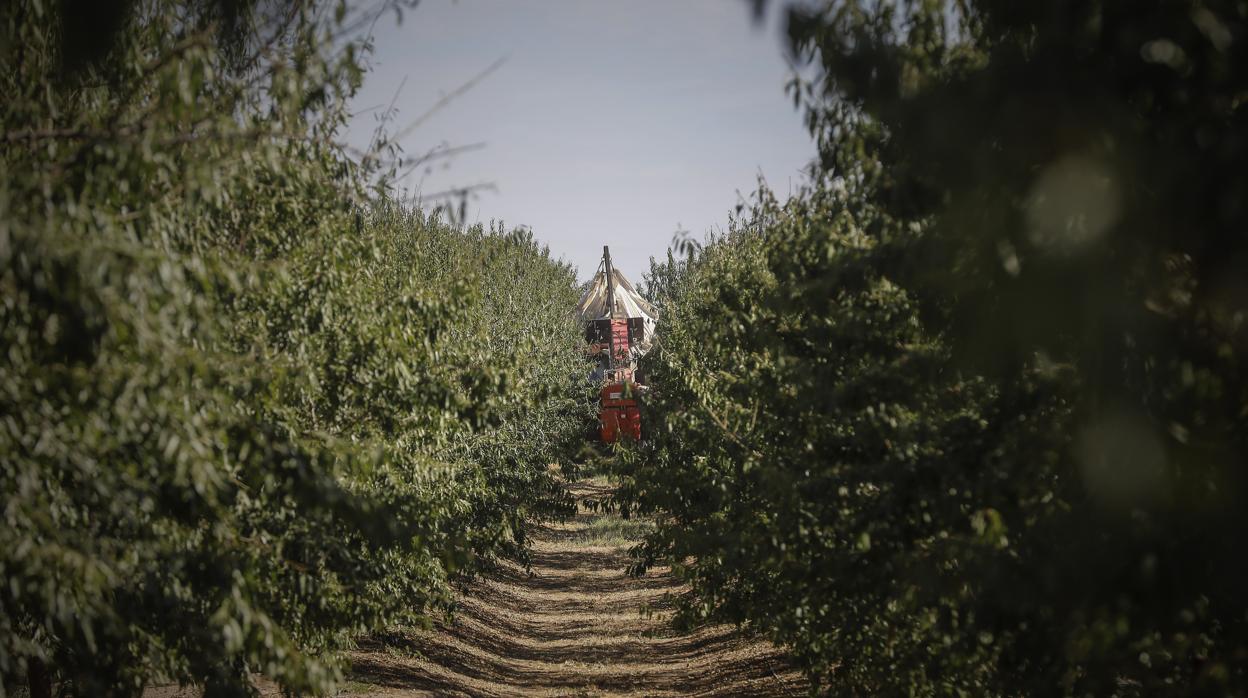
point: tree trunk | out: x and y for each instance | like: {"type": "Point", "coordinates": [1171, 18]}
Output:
{"type": "Point", "coordinates": [38, 678]}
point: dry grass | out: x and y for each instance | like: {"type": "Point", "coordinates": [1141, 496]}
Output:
{"type": "Point", "coordinates": [575, 625]}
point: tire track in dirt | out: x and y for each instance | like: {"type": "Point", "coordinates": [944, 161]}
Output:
{"type": "Point", "coordinates": [574, 626]}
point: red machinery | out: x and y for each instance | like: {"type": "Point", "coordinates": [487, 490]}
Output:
{"type": "Point", "coordinates": [619, 329]}
{"type": "Point", "coordinates": [619, 413]}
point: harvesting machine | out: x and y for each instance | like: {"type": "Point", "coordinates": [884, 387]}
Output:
{"type": "Point", "coordinates": [619, 330]}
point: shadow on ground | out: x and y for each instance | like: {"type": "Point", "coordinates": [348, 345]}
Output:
{"type": "Point", "coordinates": [574, 624]}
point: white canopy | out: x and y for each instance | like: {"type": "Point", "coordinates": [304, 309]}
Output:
{"type": "Point", "coordinates": [628, 303]}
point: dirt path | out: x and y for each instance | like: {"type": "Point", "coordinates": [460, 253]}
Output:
{"type": "Point", "coordinates": [575, 626]}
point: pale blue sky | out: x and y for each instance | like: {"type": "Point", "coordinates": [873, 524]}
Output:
{"type": "Point", "coordinates": [608, 122]}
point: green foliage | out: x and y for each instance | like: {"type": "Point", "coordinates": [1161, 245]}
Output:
{"type": "Point", "coordinates": [833, 478]}
{"type": "Point", "coordinates": [968, 416]}
{"type": "Point", "coordinates": [249, 410]}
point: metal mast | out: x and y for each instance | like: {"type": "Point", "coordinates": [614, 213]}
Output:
{"type": "Point", "coordinates": [606, 260]}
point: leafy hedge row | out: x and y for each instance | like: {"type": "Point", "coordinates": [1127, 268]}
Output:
{"type": "Point", "coordinates": [250, 408]}
{"type": "Point", "coordinates": [968, 416]}
{"type": "Point", "coordinates": [825, 470]}
{"type": "Point", "coordinates": [824, 473]}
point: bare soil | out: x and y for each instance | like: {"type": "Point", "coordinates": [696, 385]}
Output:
{"type": "Point", "coordinates": [574, 625]}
